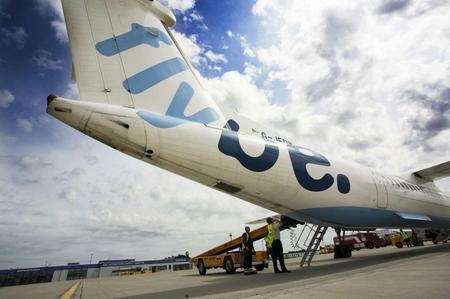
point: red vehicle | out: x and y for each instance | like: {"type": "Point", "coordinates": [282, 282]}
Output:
{"type": "Point", "coordinates": [361, 240]}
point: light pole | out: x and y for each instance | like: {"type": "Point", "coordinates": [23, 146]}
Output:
{"type": "Point", "coordinates": [90, 260]}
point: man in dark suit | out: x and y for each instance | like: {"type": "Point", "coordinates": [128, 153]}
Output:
{"type": "Point", "coordinates": [248, 251]}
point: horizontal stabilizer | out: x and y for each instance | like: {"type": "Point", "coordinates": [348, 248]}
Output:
{"type": "Point", "coordinates": [434, 172]}
{"type": "Point", "coordinates": [409, 216]}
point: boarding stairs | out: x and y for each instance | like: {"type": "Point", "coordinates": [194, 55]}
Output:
{"type": "Point", "coordinates": [312, 235]}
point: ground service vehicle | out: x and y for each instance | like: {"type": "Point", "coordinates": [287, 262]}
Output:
{"type": "Point", "coordinates": [397, 240]}
{"type": "Point", "coordinates": [326, 249]}
{"type": "Point", "coordinates": [222, 256]}
{"type": "Point", "coordinates": [361, 240]}
{"type": "Point", "coordinates": [353, 242]}
{"type": "Point", "coordinates": [371, 240]}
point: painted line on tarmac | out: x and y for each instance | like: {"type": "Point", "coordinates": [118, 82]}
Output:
{"type": "Point", "coordinates": [69, 293]}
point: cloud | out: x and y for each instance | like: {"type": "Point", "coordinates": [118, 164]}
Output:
{"type": "Point", "coordinates": [180, 5]}
{"type": "Point", "coordinates": [391, 6]}
{"type": "Point", "coordinates": [54, 9]}
{"type": "Point", "coordinates": [25, 125]}
{"type": "Point", "coordinates": [248, 51]}
{"type": "Point", "coordinates": [433, 102]}
{"type": "Point", "coordinates": [44, 60]}
{"type": "Point", "coordinates": [190, 46]}
{"type": "Point", "coordinates": [353, 78]}
{"type": "Point", "coordinates": [3, 14]}
{"type": "Point", "coordinates": [199, 54]}
{"type": "Point", "coordinates": [16, 35]}
{"type": "Point", "coordinates": [6, 98]}
{"type": "Point", "coordinates": [215, 57]}
{"type": "Point", "coordinates": [31, 162]}
{"type": "Point", "coordinates": [71, 91]}
{"type": "Point", "coordinates": [195, 17]}
{"type": "Point", "coordinates": [105, 207]}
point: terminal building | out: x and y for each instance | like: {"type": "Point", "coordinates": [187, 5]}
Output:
{"type": "Point", "coordinates": [105, 268]}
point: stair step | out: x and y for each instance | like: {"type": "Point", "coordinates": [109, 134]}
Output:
{"type": "Point", "coordinates": [319, 232]}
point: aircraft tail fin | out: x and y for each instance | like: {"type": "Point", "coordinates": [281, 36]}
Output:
{"type": "Point", "coordinates": [435, 172]}
{"type": "Point", "coordinates": [124, 54]}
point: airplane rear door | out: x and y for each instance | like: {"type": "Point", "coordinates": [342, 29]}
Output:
{"type": "Point", "coordinates": [382, 194]}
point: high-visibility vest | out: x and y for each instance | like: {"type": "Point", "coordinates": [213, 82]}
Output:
{"type": "Point", "coordinates": [270, 235]}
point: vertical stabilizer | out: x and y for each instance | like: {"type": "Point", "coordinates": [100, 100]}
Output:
{"type": "Point", "coordinates": [123, 54]}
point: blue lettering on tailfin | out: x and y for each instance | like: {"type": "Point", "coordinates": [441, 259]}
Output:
{"type": "Point", "coordinates": [137, 36]}
{"type": "Point", "coordinates": [175, 113]}
{"type": "Point", "coordinates": [153, 75]}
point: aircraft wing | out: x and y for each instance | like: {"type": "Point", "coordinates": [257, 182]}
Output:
{"type": "Point", "coordinates": [434, 172]}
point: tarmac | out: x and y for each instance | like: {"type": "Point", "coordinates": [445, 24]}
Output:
{"type": "Point", "coordinates": [418, 272]}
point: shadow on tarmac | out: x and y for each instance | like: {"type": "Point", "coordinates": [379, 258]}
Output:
{"type": "Point", "coordinates": [237, 282]}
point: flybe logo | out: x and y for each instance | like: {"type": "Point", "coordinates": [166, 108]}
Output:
{"type": "Point", "coordinates": [175, 113]}
{"type": "Point", "coordinates": [149, 77]}
{"type": "Point", "coordinates": [230, 146]}
{"type": "Point", "coordinates": [140, 35]}
{"type": "Point", "coordinates": [137, 36]}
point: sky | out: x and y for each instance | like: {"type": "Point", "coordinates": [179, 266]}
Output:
{"type": "Point", "coordinates": [365, 81]}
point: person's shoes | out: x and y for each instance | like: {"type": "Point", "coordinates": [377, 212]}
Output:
{"type": "Point", "coordinates": [277, 271]}
{"type": "Point", "coordinates": [285, 271]}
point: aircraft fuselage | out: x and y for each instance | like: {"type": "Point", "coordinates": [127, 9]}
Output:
{"type": "Point", "coordinates": [269, 172]}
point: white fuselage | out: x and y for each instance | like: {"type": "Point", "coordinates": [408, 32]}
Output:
{"type": "Point", "coordinates": [284, 178]}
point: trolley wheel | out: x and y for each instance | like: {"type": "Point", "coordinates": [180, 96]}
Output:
{"type": "Point", "coordinates": [347, 251]}
{"type": "Point", "coordinates": [201, 267]}
{"type": "Point", "coordinates": [259, 267]}
{"type": "Point", "coordinates": [229, 266]}
{"type": "Point", "coordinates": [342, 251]}
{"type": "Point", "coordinates": [399, 244]}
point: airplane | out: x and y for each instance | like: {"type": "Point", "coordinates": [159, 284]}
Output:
{"type": "Point", "coordinates": [140, 95]}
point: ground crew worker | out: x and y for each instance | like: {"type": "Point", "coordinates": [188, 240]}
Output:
{"type": "Point", "coordinates": [274, 245]}
{"type": "Point", "coordinates": [248, 251]}
{"type": "Point", "coordinates": [406, 238]}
